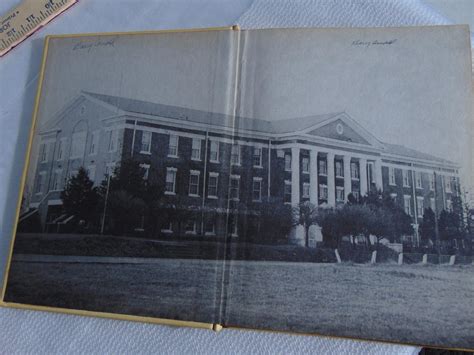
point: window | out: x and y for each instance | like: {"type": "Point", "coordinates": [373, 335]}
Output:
{"type": "Point", "coordinates": [420, 206]}
{"type": "Point", "coordinates": [235, 155]}
{"type": "Point", "coordinates": [170, 187]}
{"type": "Point", "coordinates": [78, 144]}
{"type": "Point", "coordinates": [146, 170]}
{"type": "Point", "coordinates": [323, 167]}
{"type": "Point", "coordinates": [257, 157]}
{"type": "Point", "coordinates": [210, 227]}
{"type": "Point", "coordinates": [173, 146]}
{"type": "Point", "coordinates": [196, 149]}
{"type": "Point", "coordinates": [407, 203]}
{"type": "Point", "coordinates": [287, 192]}
{"type": "Point", "coordinates": [56, 183]}
{"type": "Point", "coordinates": [370, 171]}
{"type": "Point", "coordinates": [94, 147]}
{"type": "Point", "coordinates": [40, 179]}
{"type": "Point", "coordinates": [62, 146]}
{"type": "Point", "coordinates": [418, 180]}
{"type": "Point", "coordinates": [356, 195]}
{"type": "Point", "coordinates": [214, 152]}
{"type": "Point", "coordinates": [339, 194]}
{"type": "Point", "coordinates": [447, 184]}
{"type": "Point", "coordinates": [167, 228]}
{"type": "Point", "coordinates": [305, 190]}
{"type": "Point", "coordinates": [91, 172]}
{"type": "Point", "coordinates": [323, 192]}
{"type": "Point", "coordinates": [305, 165]}
{"type": "Point", "coordinates": [432, 204]}
{"type": "Point", "coordinates": [287, 162]}
{"type": "Point", "coordinates": [212, 185]}
{"type": "Point", "coordinates": [432, 182]}
{"type": "Point", "coordinates": [233, 227]}
{"type": "Point", "coordinates": [391, 175]}
{"type": "Point", "coordinates": [194, 183]}
{"type": "Point", "coordinates": [354, 171]}
{"type": "Point", "coordinates": [109, 169]}
{"type": "Point", "coordinates": [449, 205]}
{"type": "Point", "coordinates": [339, 169]}
{"type": "Point", "coordinates": [406, 178]}
{"type": "Point", "coordinates": [43, 152]}
{"type": "Point", "coordinates": [146, 142]}
{"type": "Point", "coordinates": [234, 187]}
{"type": "Point", "coordinates": [393, 196]}
{"type": "Point", "coordinates": [190, 227]}
{"type": "Point", "coordinates": [257, 189]}
{"type": "Point", "coordinates": [113, 140]}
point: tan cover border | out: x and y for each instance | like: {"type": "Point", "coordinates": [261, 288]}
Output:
{"type": "Point", "coordinates": [117, 316]}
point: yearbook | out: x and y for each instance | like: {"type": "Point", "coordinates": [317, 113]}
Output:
{"type": "Point", "coordinates": [316, 181]}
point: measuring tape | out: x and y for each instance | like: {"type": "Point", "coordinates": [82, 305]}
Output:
{"type": "Point", "coordinates": [27, 18]}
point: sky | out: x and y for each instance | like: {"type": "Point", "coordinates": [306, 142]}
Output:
{"type": "Point", "coordinates": [409, 86]}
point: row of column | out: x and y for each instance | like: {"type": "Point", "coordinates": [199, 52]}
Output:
{"type": "Point", "coordinates": [331, 181]}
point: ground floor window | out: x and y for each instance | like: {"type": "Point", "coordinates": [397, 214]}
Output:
{"type": "Point", "coordinates": [210, 228]}
{"type": "Point", "coordinates": [305, 190]}
{"type": "Point", "coordinates": [340, 194]}
{"type": "Point", "coordinates": [323, 192]}
{"type": "Point", "coordinates": [233, 228]}
{"type": "Point", "coordinates": [407, 204]}
{"type": "Point", "coordinates": [190, 227]}
{"type": "Point", "coordinates": [170, 187]}
{"type": "Point", "coordinates": [287, 192]}
{"type": "Point", "coordinates": [257, 189]}
{"type": "Point", "coordinates": [167, 228]}
{"type": "Point", "coordinates": [420, 206]}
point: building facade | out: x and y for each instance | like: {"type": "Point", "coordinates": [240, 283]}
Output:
{"type": "Point", "coordinates": [211, 160]}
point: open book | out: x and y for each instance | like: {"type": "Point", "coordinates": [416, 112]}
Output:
{"type": "Point", "coordinates": [307, 180]}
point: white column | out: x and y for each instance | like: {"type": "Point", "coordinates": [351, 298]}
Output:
{"type": "Point", "coordinates": [378, 174]}
{"type": "Point", "coordinates": [347, 176]}
{"type": "Point", "coordinates": [313, 177]}
{"type": "Point", "coordinates": [295, 176]}
{"type": "Point", "coordinates": [363, 176]}
{"type": "Point", "coordinates": [331, 180]}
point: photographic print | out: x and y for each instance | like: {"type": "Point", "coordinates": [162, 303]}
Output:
{"type": "Point", "coordinates": [307, 180]}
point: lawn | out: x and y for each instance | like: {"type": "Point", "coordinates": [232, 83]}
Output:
{"type": "Point", "coordinates": [409, 303]}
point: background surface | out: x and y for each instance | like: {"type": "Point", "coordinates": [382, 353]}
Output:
{"type": "Point", "coordinates": [39, 332]}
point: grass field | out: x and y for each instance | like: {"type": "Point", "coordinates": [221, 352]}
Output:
{"type": "Point", "coordinates": [409, 303]}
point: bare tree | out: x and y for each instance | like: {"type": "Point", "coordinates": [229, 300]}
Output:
{"type": "Point", "coordinates": [306, 214]}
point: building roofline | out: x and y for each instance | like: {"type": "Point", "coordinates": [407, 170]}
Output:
{"type": "Point", "coordinates": [273, 130]}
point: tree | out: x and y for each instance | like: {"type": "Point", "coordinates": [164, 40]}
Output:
{"type": "Point", "coordinates": [128, 176]}
{"type": "Point", "coordinates": [331, 227]}
{"type": "Point", "coordinates": [354, 220]}
{"type": "Point", "coordinates": [275, 219]}
{"type": "Point", "coordinates": [449, 226]}
{"type": "Point", "coordinates": [306, 214]}
{"type": "Point", "coordinates": [125, 211]}
{"type": "Point", "coordinates": [127, 188]}
{"type": "Point", "coordinates": [79, 197]}
{"type": "Point", "coordinates": [396, 222]}
{"type": "Point", "coordinates": [428, 227]}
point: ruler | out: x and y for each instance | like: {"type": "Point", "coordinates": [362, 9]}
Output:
{"type": "Point", "coordinates": [27, 18]}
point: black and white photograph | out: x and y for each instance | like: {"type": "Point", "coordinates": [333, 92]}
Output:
{"type": "Point", "coordinates": [317, 181]}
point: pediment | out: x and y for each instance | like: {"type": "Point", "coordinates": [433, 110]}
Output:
{"type": "Point", "coordinates": [339, 130]}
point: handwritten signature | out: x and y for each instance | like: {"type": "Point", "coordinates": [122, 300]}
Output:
{"type": "Point", "coordinates": [89, 46]}
{"type": "Point", "coordinates": [373, 43]}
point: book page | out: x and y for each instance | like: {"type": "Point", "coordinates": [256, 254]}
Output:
{"type": "Point", "coordinates": [358, 196]}
{"type": "Point", "coordinates": [124, 208]}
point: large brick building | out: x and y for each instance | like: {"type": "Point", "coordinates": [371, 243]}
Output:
{"type": "Point", "coordinates": [210, 159]}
